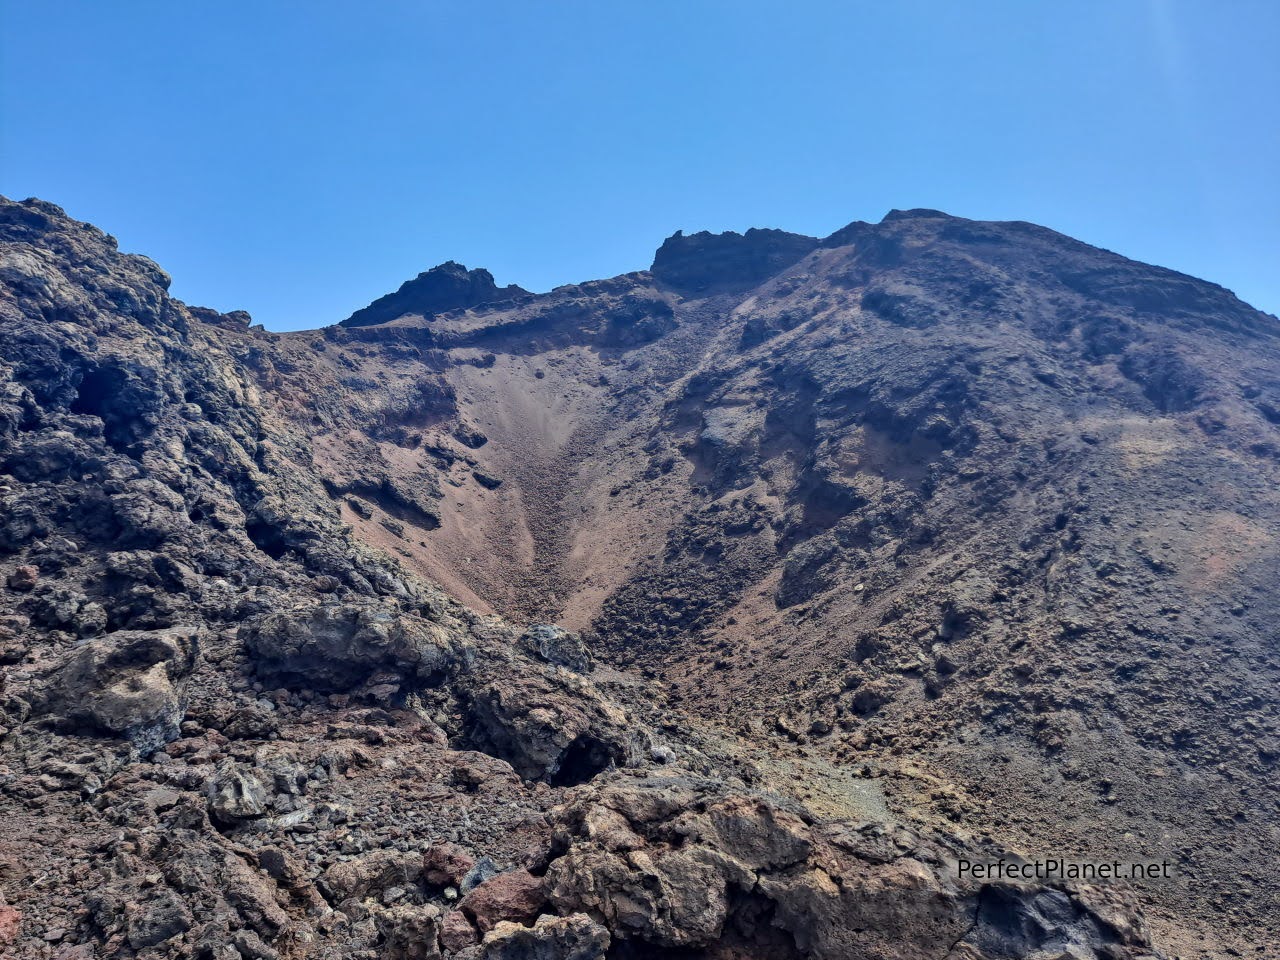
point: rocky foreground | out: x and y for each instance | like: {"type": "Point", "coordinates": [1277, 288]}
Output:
{"type": "Point", "coordinates": [240, 721]}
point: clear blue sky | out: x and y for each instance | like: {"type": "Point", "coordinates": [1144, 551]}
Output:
{"type": "Point", "coordinates": [297, 159]}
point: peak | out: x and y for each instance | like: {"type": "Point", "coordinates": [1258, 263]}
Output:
{"type": "Point", "coordinates": [454, 267]}
{"type": "Point", "coordinates": [705, 262]}
{"type": "Point", "coordinates": [446, 286]}
{"type": "Point", "coordinates": [917, 213]}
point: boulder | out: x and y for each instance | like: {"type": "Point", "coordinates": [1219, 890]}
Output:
{"type": "Point", "coordinates": [336, 647]}
{"type": "Point", "coordinates": [292, 875]}
{"type": "Point", "coordinates": [156, 920]}
{"type": "Point", "coordinates": [129, 683]}
{"type": "Point", "coordinates": [10, 925]}
{"type": "Point", "coordinates": [253, 722]}
{"type": "Point", "coordinates": [217, 890]}
{"type": "Point", "coordinates": [669, 899]}
{"type": "Point", "coordinates": [456, 932]}
{"type": "Point", "coordinates": [410, 932]}
{"type": "Point", "coordinates": [249, 946]}
{"type": "Point", "coordinates": [445, 864]}
{"type": "Point", "coordinates": [554, 728]}
{"type": "Point", "coordinates": [558, 646]}
{"type": "Point", "coordinates": [483, 870]}
{"type": "Point", "coordinates": [576, 937]}
{"type": "Point", "coordinates": [24, 578]}
{"type": "Point", "coordinates": [368, 875]}
{"type": "Point", "coordinates": [517, 896]}
{"type": "Point", "coordinates": [236, 795]}
{"type": "Point", "coordinates": [646, 888]}
{"type": "Point", "coordinates": [1015, 920]}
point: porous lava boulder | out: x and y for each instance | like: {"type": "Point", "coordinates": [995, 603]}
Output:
{"type": "Point", "coordinates": [369, 874]}
{"type": "Point", "coordinates": [575, 937]}
{"type": "Point", "coordinates": [410, 932]}
{"type": "Point", "coordinates": [559, 646]}
{"type": "Point", "coordinates": [515, 896]}
{"type": "Point", "coordinates": [337, 646]}
{"type": "Point", "coordinates": [553, 727]}
{"type": "Point", "coordinates": [23, 578]}
{"type": "Point", "coordinates": [131, 683]}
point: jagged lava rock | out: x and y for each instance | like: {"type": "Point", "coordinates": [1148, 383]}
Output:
{"type": "Point", "coordinates": [450, 286]}
{"type": "Point", "coordinates": [130, 683]}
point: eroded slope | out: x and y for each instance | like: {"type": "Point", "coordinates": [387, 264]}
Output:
{"type": "Point", "coordinates": [974, 494]}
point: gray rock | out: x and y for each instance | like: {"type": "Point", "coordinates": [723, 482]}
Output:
{"type": "Point", "coordinates": [129, 683]}
{"type": "Point", "coordinates": [483, 870]}
{"type": "Point", "coordinates": [236, 795]}
{"type": "Point", "coordinates": [161, 918]}
{"type": "Point", "coordinates": [336, 646]}
{"type": "Point", "coordinates": [576, 937]}
{"type": "Point", "coordinates": [559, 646]}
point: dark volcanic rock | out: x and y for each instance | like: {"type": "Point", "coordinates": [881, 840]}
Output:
{"type": "Point", "coordinates": [558, 728]}
{"type": "Point", "coordinates": [336, 647]}
{"type": "Point", "coordinates": [557, 645]}
{"type": "Point", "coordinates": [450, 286]}
{"type": "Point", "coordinates": [130, 683]}
{"type": "Point", "coordinates": [710, 262]}
{"type": "Point", "coordinates": [675, 863]}
{"type": "Point", "coordinates": [236, 795]}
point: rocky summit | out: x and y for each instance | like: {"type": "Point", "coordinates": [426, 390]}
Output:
{"type": "Point", "coordinates": [763, 605]}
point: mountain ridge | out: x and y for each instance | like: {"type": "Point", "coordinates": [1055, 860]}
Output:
{"type": "Point", "coordinates": [761, 238]}
{"type": "Point", "coordinates": [961, 526]}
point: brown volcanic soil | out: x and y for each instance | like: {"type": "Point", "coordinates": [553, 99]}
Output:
{"type": "Point", "coordinates": [964, 527]}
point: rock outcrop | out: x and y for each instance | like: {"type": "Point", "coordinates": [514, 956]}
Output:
{"type": "Point", "coordinates": [335, 646]}
{"type": "Point", "coordinates": [703, 263]}
{"type": "Point", "coordinates": [676, 863]}
{"type": "Point", "coordinates": [551, 726]}
{"type": "Point", "coordinates": [450, 286]}
{"type": "Point", "coordinates": [559, 646]}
